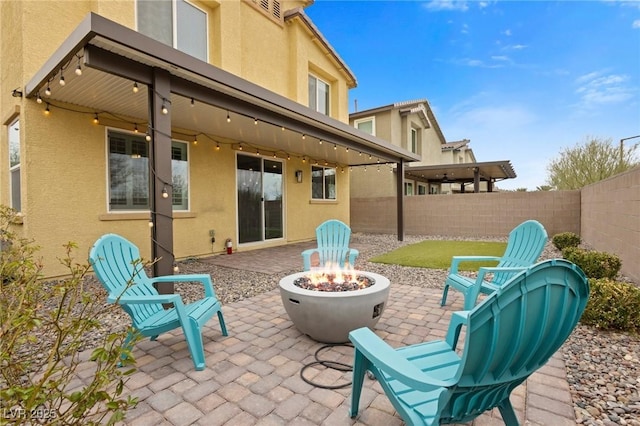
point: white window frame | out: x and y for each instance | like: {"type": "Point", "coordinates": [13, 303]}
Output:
{"type": "Point", "coordinates": [413, 140]}
{"type": "Point", "coordinates": [315, 107]}
{"type": "Point", "coordinates": [325, 196]}
{"type": "Point", "coordinates": [408, 188]}
{"type": "Point", "coordinates": [423, 188]}
{"type": "Point", "coordinates": [372, 119]}
{"type": "Point", "coordinates": [174, 23]}
{"type": "Point", "coordinates": [14, 188]}
{"type": "Point", "coordinates": [169, 188]}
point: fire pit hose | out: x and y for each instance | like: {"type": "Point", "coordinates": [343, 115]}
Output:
{"type": "Point", "coordinates": [334, 365]}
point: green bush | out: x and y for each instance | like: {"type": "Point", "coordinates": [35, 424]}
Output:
{"type": "Point", "coordinates": [613, 305]}
{"type": "Point", "coordinates": [565, 239]}
{"type": "Point", "coordinates": [43, 326]}
{"type": "Point", "coordinates": [595, 264]}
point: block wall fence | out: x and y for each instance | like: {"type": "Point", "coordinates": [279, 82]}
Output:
{"type": "Point", "coordinates": [606, 215]}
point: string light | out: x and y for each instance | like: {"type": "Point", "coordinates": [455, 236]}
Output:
{"type": "Point", "coordinates": [135, 87]}
{"type": "Point", "coordinates": [96, 120]}
{"type": "Point", "coordinates": [47, 91]}
{"type": "Point", "coordinates": [47, 111]}
{"type": "Point", "coordinates": [147, 137]}
{"type": "Point", "coordinates": [240, 147]}
{"type": "Point", "coordinates": [228, 117]}
{"type": "Point", "coordinates": [282, 128]}
{"type": "Point", "coordinates": [320, 141]}
{"type": "Point", "coordinates": [195, 139]}
{"type": "Point", "coordinates": [164, 108]}
{"type": "Point", "coordinates": [165, 194]}
{"type": "Point", "coordinates": [79, 69]}
{"type": "Point", "coordinates": [176, 269]}
{"type": "Point", "coordinates": [61, 81]}
{"type": "Point", "coordinates": [135, 128]}
{"type": "Point", "coordinates": [347, 149]}
{"type": "Point", "coordinates": [217, 146]}
{"type": "Point", "coordinates": [255, 121]}
{"type": "Point", "coordinates": [150, 224]}
{"type": "Point", "coordinates": [304, 136]}
{"type": "Point", "coordinates": [193, 102]}
{"type": "Point", "coordinates": [39, 99]}
{"type": "Point", "coordinates": [335, 146]}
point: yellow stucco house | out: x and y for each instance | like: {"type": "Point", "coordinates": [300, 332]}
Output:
{"type": "Point", "coordinates": [444, 167]}
{"type": "Point", "coordinates": [177, 124]}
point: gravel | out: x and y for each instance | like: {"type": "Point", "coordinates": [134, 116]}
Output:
{"type": "Point", "coordinates": [603, 368]}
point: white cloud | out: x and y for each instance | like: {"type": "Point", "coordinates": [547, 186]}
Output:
{"type": "Point", "coordinates": [636, 24]}
{"type": "Point", "coordinates": [598, 88]}
{"type": "Point", "coordinates": [507, 32]}
{"type": "Point", "coordinates": [501, 58]}
{"type": "Point", "coordinates": [438, 5]}
{"type": "Point", "coordinates": [515, 47]}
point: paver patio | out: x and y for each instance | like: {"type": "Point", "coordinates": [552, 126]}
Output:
{"type": "Point", "coordinates": [253, 375]}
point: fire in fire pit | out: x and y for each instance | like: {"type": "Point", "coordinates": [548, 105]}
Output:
{"type": "Point", "coordinates": [333, 279]}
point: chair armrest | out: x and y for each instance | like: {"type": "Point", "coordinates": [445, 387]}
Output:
{"type": "Point", "coordinates": [455, 261]}
{"type": "Point", "coordinates": [458, 319]}
{"type": "Point", "coordinates": [205, 279]}
{"type": "Point", "coordinates": [145, 300]}
{"type": "Point", "coordinates": [353, 253]}
{"type": "Point", "coordinates": [385, 358]}
{"type": "Point", "coordinates": [306, 258]}
{"type": "Point", "coordinates": [486, 269]}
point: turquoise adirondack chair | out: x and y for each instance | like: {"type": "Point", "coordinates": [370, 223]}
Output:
{"type": "Point", "coordinates": [116, 263]}
{"type": "Point", "coordinates": [525, 244]}
{"type": "Point", "coordinates": [508, 336]}
{"type": "Point", "coordinates": [333, 245]}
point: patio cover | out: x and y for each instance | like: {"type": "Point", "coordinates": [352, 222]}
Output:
{"type": "Point", "coordinates": [199, 97]}
{"type": "Point", "coordinates": [463, 173]}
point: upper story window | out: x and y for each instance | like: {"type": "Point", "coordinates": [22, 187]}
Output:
{"type": "Point", "coordinates": [14, 164]}
{"type": "Point", "coordinates": [367, 125]}
{"type": "Point", "coordinates": [408, 188]}
{"type": "Point", "coordinates": [413, 143]}
{"type": "Point", "coordinates": [323, 183]}
{"type": "Point", "coordinates": [319, 94]}
{"type": "Point", "coordinates": [129, 173]}
{"type": "Point", "coordinates": [177, 23]}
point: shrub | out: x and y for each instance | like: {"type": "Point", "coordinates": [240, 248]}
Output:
{"type": "Point", "coordinates": [43, 326]}
{"type": "Point", "coordinates": [595, 264]}
{"type": "Point", "coordinates": [565, 239]}
{"type": "Point", "coordinates": [613, 305]}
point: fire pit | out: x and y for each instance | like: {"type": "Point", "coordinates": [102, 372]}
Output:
{"type": "Point", "coordinates": [327, 304]}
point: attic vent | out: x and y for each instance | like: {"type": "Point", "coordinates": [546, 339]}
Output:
{"type": "Point", "coordinates": [271, 8]}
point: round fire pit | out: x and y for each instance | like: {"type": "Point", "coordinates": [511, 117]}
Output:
{"type": "Point", "coordinates": [328, 315]}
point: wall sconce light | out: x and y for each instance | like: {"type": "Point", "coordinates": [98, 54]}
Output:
{"type": "Point", "coordinates": [16, 93]}
{"type": "Point", "coordinates": [299, 176]}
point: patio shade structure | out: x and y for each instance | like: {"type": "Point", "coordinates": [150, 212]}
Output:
{"type": "Point", "coordinates": [178, 91]}
{"type": "Point", "coordinates": [463, 173]}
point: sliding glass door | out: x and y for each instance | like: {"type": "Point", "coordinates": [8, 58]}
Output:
{"type": "Point", "coordinates": [260, 210]}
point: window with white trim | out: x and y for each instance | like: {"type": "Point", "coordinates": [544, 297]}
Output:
{"type": "Point", "coordinates": [323, 183]}
{"type": "Point", "coordinates": [413, 143]}
{"type": "Point", "coordinates": [319, 94]}
{"type": "Point", "coordinates": [367, 125]}
{"type": "Point", "coordinates": [176, 23]}
{"type": "Point", "coordinates": [129, 173]}
{"type": "Point", "coordinates": [14, 164]}
{"type": "Point", "coordinates": [422, 189]}
{"type": "Point", "coordinates": [408, 188]}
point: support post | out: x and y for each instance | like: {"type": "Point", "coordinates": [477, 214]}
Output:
{"type": "Point", "coordinates": [160, 176]}
{"type": "Point", "coordinates": [400, 199]}
{"type": "Point", "coordinates": [476, 180]}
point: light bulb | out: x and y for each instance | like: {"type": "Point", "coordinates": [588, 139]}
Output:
{"type": "Point", "coordinates": [240, 148]}
{"type": "Point", "coordinates": [320, 141]}
{"type": "Point", "coordinates": [255, 121]}
{"type": "Point", "coordinates": [335, 146]}
{"type": "Point", "coordinates": [148, 137]}
{"type": "Point", "coordinates": [62, 82]}
{"type": "Point", "coordinates": [195, 140]}
{"type": "Point", "coordinates": [283, 128]}
{"type": "Point", "coordinates": [193, 102]}
{"type": "Point", "coordinates": [95, 119]}
{"type": "Point", "coordinates": [164, 109]}
{"type": "Point", "coordinates": [176, 268]}
{"type": "Point", "coordinates": [228, 117]}
{"type": "Point", "coordinates": [39, 99]}
{"type": "Point", "coordinates": [47, 111]}
{"type": "Point", "coordinates": [78, 70]}
{"type": "Point", "coordinates": [135, 128]}
{"type": "Point", "coordinates": [304, 136]}
{"type": "Point", "coordinates": [47, 91]}
{"type": "Point", "coordinates": [217, 147]}
{"type": "Point", "coordinates": [150, 224]}
{"type": "Point", "coordinates": [165, 194]}
{"type": "Point", "coordinates": [135, 87]}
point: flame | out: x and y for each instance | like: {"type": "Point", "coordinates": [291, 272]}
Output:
{"type": "Point", "coordinates": [333, 273]}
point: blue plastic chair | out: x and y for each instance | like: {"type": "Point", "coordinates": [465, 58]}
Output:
{"type": "Point", "coordinates": [525, 244]}
{"type": "Point", "coordinates": [117, 264]}
{"type": "Point", "coordinates": [333, 245]}
{"type": "Point", "coordinates": [508, 336]}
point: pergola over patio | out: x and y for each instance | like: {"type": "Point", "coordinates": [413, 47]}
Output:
{"type": "Point", "coordinates": [176, 91]}
{"type": "Point", "coordinates": [463, 173]}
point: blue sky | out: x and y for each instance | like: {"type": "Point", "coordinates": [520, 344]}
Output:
{"type": "Point", "coordinates": [521, 79]}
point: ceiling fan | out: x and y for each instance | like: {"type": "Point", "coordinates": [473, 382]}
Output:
{"type": "Point", "coordinates": [445, 179]}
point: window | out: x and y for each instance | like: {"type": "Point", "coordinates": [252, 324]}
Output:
{"type": "Point", "coordinates": [318, 95]}
{"type": "Point", "coordinates": [129, 173]}
{"type": "Point", "coordinates": [414, 141]}
{"type": "Point", "coordinates": [367, 125]}
{"type": "Point", "coordinates": [14, 164]}
{"type": "Point", "coordinates": [408, 188]}
{"type": "Point", "coordinates": [176, 23]}
{"type": "Point", "coordinates": [323, 183]}
{"type": "Point", "coordinates": [422, 189]}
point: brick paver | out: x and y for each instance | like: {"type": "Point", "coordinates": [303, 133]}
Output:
{"type": "Point", "coordinates": [253, 375]}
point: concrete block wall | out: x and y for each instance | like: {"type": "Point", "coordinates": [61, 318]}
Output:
{"type": "Point", "coordinates": [469, 215]}
{"type": "Point", "coordinates": [611, 219]}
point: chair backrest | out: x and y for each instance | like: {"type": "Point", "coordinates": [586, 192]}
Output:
{"type": "Point", "coordinates": [526, 242]}
{"type": "Point", "coordinates": [117, 263]}
{"type": "Point", "coordinates": [333, 241]}
{"type": "Point", "coordinates": [515, 331]}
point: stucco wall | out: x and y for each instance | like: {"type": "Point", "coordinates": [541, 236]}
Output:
{"type": "Point", "coordinates": [611, 219]}
{"type": "Point", "coordinates": [469, 215]}
{"type": "Point", "coordinates": [64, 156]}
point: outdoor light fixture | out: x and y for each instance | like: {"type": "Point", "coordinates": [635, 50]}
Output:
{"type": "Point", "coordinates": [16, 93]}
{"type": "Point", "coordinates": [135, 87]}
{"type": "Point", "coordinates": [299, 176]}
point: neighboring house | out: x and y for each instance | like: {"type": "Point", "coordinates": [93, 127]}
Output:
{"type": "Point", "coordinates": [178, 124]}
{"type": "Point", "coordinates": [444, 167]}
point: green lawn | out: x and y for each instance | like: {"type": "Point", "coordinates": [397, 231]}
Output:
{"type": "Point", "coordinates": [437, 254]}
